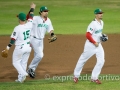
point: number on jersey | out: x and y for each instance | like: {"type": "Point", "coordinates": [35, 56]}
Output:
{"type": "Point", "coordinates": [26, 34]}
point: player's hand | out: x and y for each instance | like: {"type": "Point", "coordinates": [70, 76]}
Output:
{"type": "Point", "coordinates": [96, 44]}
{"type": "Point", "coordinates": [33, 5]}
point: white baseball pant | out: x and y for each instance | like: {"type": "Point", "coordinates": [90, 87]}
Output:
{"type": "Point", "coordinates": [37, 45]}
{"type": "Point", "coordinates": [89, 51]}
{"type": "Point", "coordinates": [20, 58]}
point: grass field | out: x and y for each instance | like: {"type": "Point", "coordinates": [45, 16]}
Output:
{"type": "Point", "coordinates": [58, 83]}
{"type": "Point", "coordinates": [68, 17]}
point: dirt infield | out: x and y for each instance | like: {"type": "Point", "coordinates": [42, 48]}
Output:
{"type": "Point", "coordinates": [61, 57]}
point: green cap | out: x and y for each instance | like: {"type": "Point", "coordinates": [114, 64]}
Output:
{"type": "Point", "coordinates": [22, 16]}
{"type": "Point", "coordinates": [98, 11]}
{"type": "Point", "coordinates": [43, 8]}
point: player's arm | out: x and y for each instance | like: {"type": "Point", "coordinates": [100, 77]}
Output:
{"type": "Point", "coordinates": [89, 37]}
{"type": "Point", "coordinates": [50, 30]}
{"type": "Point", "coordinates": [89, 32]}
{"type": "Point", "coordinates": [31, 12]}
{"type": "Point", "coordinates": [12, 41]}
{"type": "Point", "coordinates": [14, 35]}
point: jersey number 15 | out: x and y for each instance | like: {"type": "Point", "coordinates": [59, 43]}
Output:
{"type": "Point", "coordinates": [26, 34]}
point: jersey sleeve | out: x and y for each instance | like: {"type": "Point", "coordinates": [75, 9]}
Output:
{"type": "Point", "coordinates": [34, 19]}
{"type": "Point", "coordinates": [91, 28]}
{"type": "Point", "coordinates": [50, 27]}
{"type": "Point", "coordinates": [30, 23]}
{"type": "Point", "coordinates": [15, 33]}
{"type": "Point", "coordinates": [89, 37]}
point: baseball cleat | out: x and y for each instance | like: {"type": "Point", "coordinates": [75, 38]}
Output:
{"type": "Point", "coordinates": [21, 80]}
{"type": "Point", "coordinates": [31, 73]}
{"type": "Point", "coordinates": [75, 79]}
{"type": "Point", "coordinates": [96, 81]}
{"type": "Point", "coordinates": [17, 81]}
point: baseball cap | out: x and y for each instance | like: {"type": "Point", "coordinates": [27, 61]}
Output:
{"type": "Point", "coordinates": [98, 11]}
{"type": "Point", "coordinates": [43, 8]}
{"type": "Point", "coordinates": [22, 16]}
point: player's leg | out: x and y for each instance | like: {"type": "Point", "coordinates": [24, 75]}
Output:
{"type": "Point", "coordinates": [17, 57]}
{"type": "Point", "coordinates": [89, 50]}
{"type": "Point", "coordinates": [81, 61]}
{"type": "Point", "coordinates": [25, 57]}
{"type": "Point", "coordinates": [38, 53]}
{"type": "Point", "coordinates": [100, 62]}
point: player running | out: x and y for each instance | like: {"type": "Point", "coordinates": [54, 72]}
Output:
{"type": "Point", "coordinates": [20, 37]}
{"type": "Point", "coordinates": [92, 46]}
{"type": "Point", "coordinates": [41, 25]}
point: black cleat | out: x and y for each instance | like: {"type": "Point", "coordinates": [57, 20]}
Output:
{"type": "Point", "coordinates": [31, 73]}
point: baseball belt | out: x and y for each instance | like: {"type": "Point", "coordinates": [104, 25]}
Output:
{"type": "Point", "coordinates": [36, 37]}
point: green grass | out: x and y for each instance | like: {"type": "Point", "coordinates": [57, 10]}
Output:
{"type": "Point", "coordinates": [67, 16]}
{"type": "Point", "coordinates": [112, 82]}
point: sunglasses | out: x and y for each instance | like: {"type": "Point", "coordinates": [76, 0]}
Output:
{"type": "Point", "coordinates": [45, 11]}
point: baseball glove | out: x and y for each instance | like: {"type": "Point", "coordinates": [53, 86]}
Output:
{"type": "Point", "coordinates": [4, 53]}
{"type": "Point", "coordinates": [104, 38]}
{"type": "Point", "coordinates": [52, 38]}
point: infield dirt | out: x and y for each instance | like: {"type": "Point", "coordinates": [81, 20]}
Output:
{"type": "Point", "coordinates": [61, 56]}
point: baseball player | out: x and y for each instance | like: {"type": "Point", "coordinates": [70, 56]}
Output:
{"type": "Point", "coordinates": [41, 25]}
{"type": "Point", "coordinates": [92, 46]}
{"type": "Point", "coordinates": [20, 37]}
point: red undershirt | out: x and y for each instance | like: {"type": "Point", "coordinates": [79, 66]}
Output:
{"type": "Point", "coordinates": [89, 37]}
